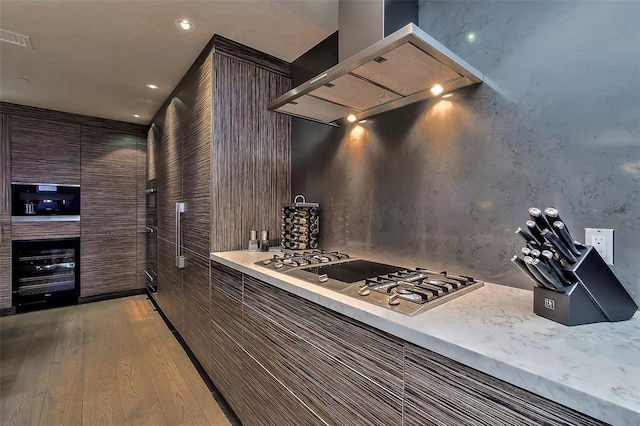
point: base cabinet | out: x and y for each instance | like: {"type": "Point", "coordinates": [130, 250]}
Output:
{"type": "Point", "coordinates": [5, 261]}
{"type": "Point", "coordinates": [280, 359]}
{"type": "Point", "coordinates": [195, 289]}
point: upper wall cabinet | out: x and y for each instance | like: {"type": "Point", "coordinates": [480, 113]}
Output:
{"type": "Point", "coordinates": [44, 151]}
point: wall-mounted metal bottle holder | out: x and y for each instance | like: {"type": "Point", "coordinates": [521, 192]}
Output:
{"type": "Point", "coordinates": [596, 296]}
{"type": "Point", "coordinates": [300, 224]}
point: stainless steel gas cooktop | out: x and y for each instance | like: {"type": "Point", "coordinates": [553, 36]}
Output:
{"type": "Point", "coordinates": [405, 290]}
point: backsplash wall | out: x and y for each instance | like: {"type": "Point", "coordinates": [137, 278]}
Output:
{"type": "Point", "coordinates": [444, 183]}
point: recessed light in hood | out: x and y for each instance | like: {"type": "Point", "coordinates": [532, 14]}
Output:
{"type": "Point", "coordinates": [396, 71]}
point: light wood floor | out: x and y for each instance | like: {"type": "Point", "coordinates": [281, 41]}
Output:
{"type": "Point", "coordinates": [106, 363]}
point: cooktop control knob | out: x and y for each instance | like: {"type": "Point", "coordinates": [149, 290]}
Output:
{"type": "Point", "coordinates": [394, 299]}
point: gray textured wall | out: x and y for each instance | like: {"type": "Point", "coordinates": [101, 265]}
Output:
{"type": "Point", "coordinates": [445, 183]}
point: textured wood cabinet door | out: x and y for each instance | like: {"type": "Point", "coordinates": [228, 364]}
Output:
{"type": "Point", "coordinates": [344, 371]}
{"type": "Point", "coordinates": [441, 391]}
{"type": "Point", "coordinates": [108, 187]}
{"type": "Point", "coordinates": [5, 163]}
{"type": "Point", "coordinates": [169, 172]}
{"type": "Point", "coordinates": [170, 296]}
{"type": "Point", "coordinates": [110, 194]}
{"type": "Point", "coordinates": [196, 161]}
{"type": "Point", "coordinates": [5, 261]}
{"type": "Point", "coordinates": [44, 151]}
{"type": "Point", "coordinates": [195, 287]}
{"type": "Point", "coordinates": [5, 211]}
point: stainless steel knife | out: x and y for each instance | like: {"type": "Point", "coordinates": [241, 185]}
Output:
{"type": "Point", "coordinates": [549, 275]}
{"type": "Point", "coordinates": [550, 260]}
{"type": "Point", "coordinates": [559, 246]}
{"type": "Point", "coordinates": [523, 267]}
{"type": "Point", "coordinates": [533, 229]}
{"type": "Point", "coordinates": [541, 221]}
{"type": "Point", "coordinates": [528, 260]}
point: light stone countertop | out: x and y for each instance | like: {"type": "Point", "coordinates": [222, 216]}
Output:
{"type": "Point", "coordinates": [592, 368]}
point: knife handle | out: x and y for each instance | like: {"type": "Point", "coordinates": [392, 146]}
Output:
{"type": "Point", "coordinates": [550, 260]}
{"type": "Point", "coordinates": [524, 234]}
{"type": "Point", "coordinates": [523, 267]}
{"type": "Point", "coordinates": [549, 275]}
{"type": "Point", "coordinates": [541, 221]}
{"type": "Point", "coordinates": [528, 261]}
{"type": "Point", "coordinates": [533, 228]}
{"type": "Point", "coordinates": [565, 236]}
{"type": "Point", "coordinates": [559, 246]}
{"type": "Point", "coordinates": [552, 214]}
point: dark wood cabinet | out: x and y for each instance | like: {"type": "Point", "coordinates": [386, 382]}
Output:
{"type": "Point", "coordinates": [170, 295]}
{"type": "Point", "coordinates": [335, 370]}
{"type": "Point", "coordinates": [441, 391]}
{"type": "Point", "coordinates": [5, 211]}
{"type": "Point", "coordinates": [111, 197]}
{"type": "Point", "coordinates": [195, 288]}
{"type": "Point", "coordinates": [44, 151]}
{"type": "Point", "coordinates": [108, 185]}
{"type": "Point", "coordinates": [251, 148]}
{"type": "Point", "coordinates": [108, 160]}
{"type": "Point", "coordinates": [5, 260]}
{"type": "Point", "coordinates": [5, 163]}
{"type": "Point", "coordinates": [44, 230]}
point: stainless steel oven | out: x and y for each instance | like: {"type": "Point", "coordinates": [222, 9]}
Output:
{"type": "Point", "coordinates": [44, 201]}
{"type": "Point", "coordinates": [46, 273]}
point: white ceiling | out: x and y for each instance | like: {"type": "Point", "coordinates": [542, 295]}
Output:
{"type": "Point", "coordinates": [95, 57]}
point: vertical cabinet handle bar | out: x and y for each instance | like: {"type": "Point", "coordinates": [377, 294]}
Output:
{"type": "Point", "coordinates": [179, 257]}
{"type": "Point", "coordinates": [1, 235]}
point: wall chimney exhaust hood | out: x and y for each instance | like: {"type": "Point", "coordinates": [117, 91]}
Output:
{"type": "Point", "coordinates": [398, 70]}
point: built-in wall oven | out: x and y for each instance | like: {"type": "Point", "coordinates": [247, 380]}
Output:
{"type": "Point", "coordinates": [46, 273]}
{"type": "Point", "coordinates": [44, 202]}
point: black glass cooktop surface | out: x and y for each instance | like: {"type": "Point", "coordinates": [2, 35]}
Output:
{"type": "Point", "coordinates": [353, 271]}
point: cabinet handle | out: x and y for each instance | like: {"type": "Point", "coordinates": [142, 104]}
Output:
{"type": "Point", "coordinates": [149, 276]}
{"type": "Point", "coordinates": [1, 235]}
{"type": "Point", "coordinates": [179, 257]}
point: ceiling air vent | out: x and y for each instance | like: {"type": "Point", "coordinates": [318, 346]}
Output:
{"type": "Point", "coordinates": [15, 38]}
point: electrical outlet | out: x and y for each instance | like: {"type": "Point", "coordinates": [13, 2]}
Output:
{"type": "Point", "coordinates": [602, 241]}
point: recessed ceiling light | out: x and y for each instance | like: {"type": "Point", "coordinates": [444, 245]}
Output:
{"type": "Point", "coordinates": [185, 25]}
{"type": "Point", "coordinates": [136, 115]}
{"type": "Point", "coordinates": [437, 89]}
{"type": "Point", "coordinates": [351, 118]}
{"type": "Point", "coordinates": [448, 95]}
{"type": "Point", "coordinates": [153, 86]}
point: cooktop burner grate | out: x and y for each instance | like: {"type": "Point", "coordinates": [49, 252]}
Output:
{"type": "Point", "coordinates": [405, 290]}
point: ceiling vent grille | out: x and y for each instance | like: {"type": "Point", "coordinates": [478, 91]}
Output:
{"type": "Point", "coordinates": [15, 38]}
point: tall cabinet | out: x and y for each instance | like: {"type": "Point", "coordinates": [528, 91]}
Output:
{"type": "Point", "coordinates": [224, 160]}
{"type": "Point", "coordinates": [5, 211]}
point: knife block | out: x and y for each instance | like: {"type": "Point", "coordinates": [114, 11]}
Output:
{"type": "Point", "coordinates": [596, 296]}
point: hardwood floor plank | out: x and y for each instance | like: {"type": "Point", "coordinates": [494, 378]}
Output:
{"type": "Point", "coordinates": [177, 401]}
{"type": "Point", "coordinates": [100, 395]}
{"type": "Point", "coordinates": [106, 363]}
{"type": "Point", "coordinates": [139, 402]}
{"type": "Point", "coordinates": [23, 400]}
{"type": "Point", "coordinates": [63, 400]}
{"type": "Point", "coordinates": [212, 411]}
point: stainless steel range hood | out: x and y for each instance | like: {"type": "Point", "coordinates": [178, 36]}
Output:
{"type": "Point", "coordinates": [398, 70]}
